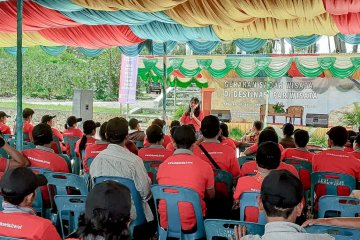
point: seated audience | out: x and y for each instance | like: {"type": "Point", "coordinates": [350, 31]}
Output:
{"type": "Point", "coordinates": [224, 137]}
{"type": "Point", "coordinates": [117, 161]}
{"type": "Point", "coordinates": [267, 159]}
{"type": "Point", "coordinates": [71, 130]}
{"type": "Point", "coordinates": [300, 152]}
{"type": "Point", "coordinates": [49, 120]}
{"type": "Point", "coordinates": [174, 124]}
{"type": "Point", "coordinates": [219, 156]}
{"type": "Point", "coordinates": [135, 133]}
{"type": "Point", "coordinates": [268, 134]}
{"type": "Point", "coordinates": [350, 141]}
{"type": "Point", "coordinates": [288, 141]}
{"type": "Point", "coordinates": [16, 158]}
{"type": "Point", "coordinates": [281, 197]}
{"type": "Point", "coordinates": [27, 126]}
{"type": "Point", "coordinates": [156, 151]}
{"type": "Point", "coordinates": [253, 134]}
{"type": "Point", "coordinates": [5, 129]}
{"type": "Point", "coordinates": [18, 219]}
{"type": "Point", "coordinates": [161, 124]}
{"type": "Point", "coordinates": [88, 138]}
{"type": "Point", "coordinates": [184, 169]}
{"type": "Point", "coordinates": [114, 213]}
{"type": "Point", "coordinates": [356, 151]}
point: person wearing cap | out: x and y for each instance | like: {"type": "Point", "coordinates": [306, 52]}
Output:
{"type": "Point", "coordinates": [88, 138]}
{"type": "Point", "coordinates": [116, 160]}
{"type": "Point", "coordinates": [336, 159]}
{"type": "Point", "coordinates": [268, 134]}
{"type": "Point", "coordinates": [356, 152]}
{"type": "Point", "coordinates": [4, 129]}
{"type": "Point", "coordinates": [135, 133]}
{"type": "Point", "coordinates": [156, 151]}
{"type": "Point", "coordinates": [162, 125]}
{"type": "Point", "coordinates": [18, 219]}
{"type": "Point", "coordinates": [281, 197]}
{"type": "Point", "coordinates": [267, 159]}
{"type": "Point", "coordinates": [50, 121]}
{"type": "Point", "coordinates": [71, 130]}
{"type": "Point", "coordinates": [288, 141]}
{"type": "Point", "coordinates": [300, 151]}
{"type": "Point", "coordinates": [16, 158]}
{"type": "Point", "coordinates": [184, 169]}
{"type": "Point", "coordinates": [27, 126]}
{"type": "Point", "coordinates": [224, 156]}
{"type": "Point", "coordinates": [107, 204]}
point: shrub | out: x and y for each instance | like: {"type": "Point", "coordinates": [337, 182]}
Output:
{"type": "Point", "coordinates": [236, 134]}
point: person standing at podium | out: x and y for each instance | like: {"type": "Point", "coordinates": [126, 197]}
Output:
{"type": "Point", "coordinates": [193, 115]}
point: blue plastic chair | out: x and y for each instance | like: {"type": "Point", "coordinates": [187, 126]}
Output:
{"type": "Point", "coordinates": [245, 159]}
{"type": "Point", "coordinates": [40, 170]}
{"type": "Point", "coordinates": [139, 144]}
{"type": "Point", "coordinates": [250, 199]}
{"type": "Point", "coordinates": [38, 204]}
{"type": "Point", "coordinates": [172, 199]}
{"type": "Point", "coordinates": [152, 168]}
{"type": "Point", "coordinates": [26, 145]}
{"type": "Point", "coordinates": [62, 181]}
{"type": "Point", "coordinates": [7, 137]}
{"type": "Point", "coordinates": [225, 228]}
{"type": "Point", "coordinates": [71, 140]}
{"type": "Point", "coordinates": [56, 140]}
{"type": "Point", "coordinates": [67, 160]}
{"type": "Point", "coordinates": [9, 238]}
{"type": "Point", "coordinates": [89, 161]}
{"type": "Point", "coordinates": [346, 206]}
{"type": "Point", "coordinates": [223, 177]}
{"type": "Point", "coordinates": [332, 181]}
{"type": "Point", "coordinates": [3, 154]}
{"type": "Point", "coordinates": [70, 208]}
{"type": "Point", "coordinates": [135, 195]}
{"type": "Point", "coordinates": [1, 200]}
{"type": "Point", "coordinates": [340, 233]}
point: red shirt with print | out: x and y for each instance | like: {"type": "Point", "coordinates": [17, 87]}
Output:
{"type": "Point", "coordinates": [223, 155]}
{"type": "Point", "coordinates": [92, 151]}
{"type": "Point", "coordinates": [171, 147]}
{"type": "Point", "coordinates": [167, 140]}
{"type": "Point", "coordinates": [154, 153]}
{"type": "Point", "coordinates": [27, 226]}
{"type": "Point", "coordinates": [89, 141]}
{"type": "Point", "coordinates": [5, 129]}
{"type": "Point", "coordinates": [294, 153]}
{"type": "Point", "coordinates": [253, 148]}
{"type": "Point", "coordinates": [250, 168]}
{"type": "Point", "coordinates": [228, 142]}
{"type": "Point", "coordinates": [183, 169]}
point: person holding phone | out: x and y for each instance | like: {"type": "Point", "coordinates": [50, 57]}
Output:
{"type": "Point", "coordinates": [193, 115]}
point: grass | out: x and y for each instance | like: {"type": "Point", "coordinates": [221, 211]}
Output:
{"type": "Point", "coordinates": [12, 105]}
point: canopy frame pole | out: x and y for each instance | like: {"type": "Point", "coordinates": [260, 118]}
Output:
{"type": "Point", "coordinates": [19, 77]}
{"type": "Point", "coordinates": [164, 83]}
{"type": "Point", "coordinates": [268, 87]}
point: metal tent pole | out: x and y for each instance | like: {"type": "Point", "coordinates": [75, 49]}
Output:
{"type": "Point", "coordinates": [164, 83]}
{"type": "Point", "coordinates": [268, 87]}
{"type": "Point", "coordinates": [19, 66]}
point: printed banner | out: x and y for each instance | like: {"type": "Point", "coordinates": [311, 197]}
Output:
{"type": "Point", "coordinates": [128, 79]}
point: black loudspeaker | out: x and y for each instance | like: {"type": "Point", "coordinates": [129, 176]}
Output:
{"type": "Point", "coordinates": [317, 120]}
{"type": "Point", "coordinates": [223, 115]}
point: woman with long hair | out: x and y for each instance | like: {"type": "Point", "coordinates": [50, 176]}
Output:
{"type": "Point", "coordinates": [88, 138]}
{"type": "Point", "coordinates": [193, 115]}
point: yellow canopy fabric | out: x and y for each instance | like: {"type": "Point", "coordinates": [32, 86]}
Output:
{"type": "Point", "coordinates": [270, 28]}
{"type": "Point", "coordinates": [235, 13]}
{"type": "Point", "coordinates": [136, 5]}
{"type": "Point", "coordinates": [30, 39]}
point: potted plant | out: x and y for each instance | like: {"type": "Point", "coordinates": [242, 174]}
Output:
{"type": "Point", "coordinates": [352, 118]}
{"type": "Point", "coordinates": [279, 108]}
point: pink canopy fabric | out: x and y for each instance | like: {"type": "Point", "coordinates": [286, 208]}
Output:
{"type": "Point", "coordinates": [348, 23]}
{"type": "Point", "coordinates": [340, 7]}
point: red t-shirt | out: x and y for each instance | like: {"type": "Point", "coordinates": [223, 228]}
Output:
{"type": "Point", "coordinates": [46, 159]}
{"type": "Point", "coordinates": [5, 129]}
{"type": "Point", "coordinates": [334, 160]}
{"type": "Point", "coordinates": [154, 153]}
{"type": "Point", "coordinates": [253, 148]}
{"type": "Point", "coordinates": [297, 154]}
{"type": "Point", "coordinates": [28, 128]}
{"type": "Point", "coordinates": [356, 154]}
{"type": "Point", "coordinates": [71, 132]}
{"type": "Point", "coordinates": [250, 168]}
{"type": "Point", "coordinates": [4, 163]}
{"type": "Point", "coordinates": [92, 151]}
{"type": "Point", "coordinates": [348, 149]}
{"type": "Point", "coordinates": [249, 184]}
{"type": "Point", "coordinates": [167, 140]}
{"type": "Point", "coordinates": [57, 134]}
{"type": "Point", "coordinates": [185, 170]}
{"type": "Point", "coordinates": [27, 226]}
{"type": "Point", "coordinates": [186, 120]}
{"type": "Point", "coordinates": [89, 141]}
{"type": "Point", "coordinates": [223, 155]}
{"type": "Point", "coordinates": [171, 147]}
{"type": "Point", "coordinates": [228, 142]}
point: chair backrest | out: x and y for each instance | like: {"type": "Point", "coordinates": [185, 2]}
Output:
{"type": "Point", "coordinates": [28, 145]}
{"type": "Point", "coordinates": [340, 233]}
{"type": "Point", "coordinates": [152, 168]}
{"type": "Point", "coordinates": [225, 228]}
{"type": "Point", "coordinates": [245, 159]}
{"type": "Point", "coordinates": [331, 181]}
{"type": "Point", "coordinates": [69, 209]}
{"type": "Point", "coordinates": [89, 161]}
{"type": "Point", "coordinates": [223, 181]}
{"type": "Point", "coordinates": [304, 169]}
{"type": "Point", "coordinates": [63, 181]}
{"type": "Point", "coordinates": [3, 153]}
{"type": "Point", "coordinates": [139, 144]}
{"type": "Point", "coordinates": [296, 111]}
{"type": "Point", "coordinates": [71, 140]}
{"type": "Point", "coordinates": [56, 140]}
{"type": "Point", "coordinates": [1, 201]}
{"type": "Point", "coordinates": [67, 160]}
{"type": "Point", "coordinates": [263, 107]}
{"type": "Point", "coordinates": [173, 196]}
{"type": "Point", "coordinates": [250, 199]}
{"type": "Point", "coordinates": [135, 195]}
{"type": "Point", "coordinates": [7, 137]}
{"type": "Point", "coordinates": [341, 205]}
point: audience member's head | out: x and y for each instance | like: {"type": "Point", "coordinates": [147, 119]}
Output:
{"type": "Point", "coordinates": [288, 129]}
{"type": "Point", "coordinates": [268, 135]}
{"type": "Point", "coordinates": [48, 120]}
{"type": "Point", "coordinates": [270, 128]}
{"type": "Point", "coordinates": [42, 134]}
{"type": "Point", "coordinates": [72, 121]}
{"type": "Point", "coordinates": [351, 137]}
{"type": "Point", "coordinates": [192, 127]}
{"type": "Point", "coordinates": [184, 137]}
{"type": "Point", "coordinates": [116, 130]}
{"type": "Point", "coordinates": [159, 122]}
{"type": "Point", "coordinates": [258, 126]}
{"type": "Point", "coordinates": [174, 123]}
{"type": "Point", "coordinates": [281, 196]}
{"type": "Point", "coordinates": [172, 131]}
{"type": "Point", "coordinates": [154, 134]}
{"type": "Point", "coordinates": [102, 131]}
{"type": "Point", "coordinates": [357, 143]}
{"type": "Point", "coordinates": [134, 124]}
{"type": "Point", "coordinates": [3, 117]}
{"type": "Point", "coordinates": [28, 113]}
{"type": "Point", "coordinates": [301, 138]}
{"type": "Point", "coordinates": [210, 127]}
{"type": "Point", "coordinates": [224, 130]}
{"type": "Point", "coordinates": [338, 136]}
{"type": "Point", "coordinates": [268, 155]}
{"type": "Point", "coordinates": [107, 212]}
{"type": "Point", "coordinates": [89, 128]}
{"type": "Point", "coordinates": [18, 186]}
